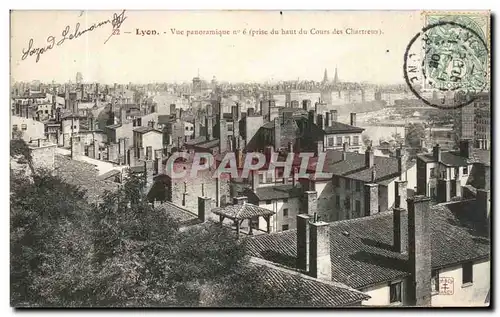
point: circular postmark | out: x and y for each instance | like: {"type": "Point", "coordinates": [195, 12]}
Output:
{"type": "Point", "coordinates": [446, 65]}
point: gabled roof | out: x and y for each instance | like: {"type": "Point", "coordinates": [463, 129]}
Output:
{"type": "Point", "coordinates": [182, 215]}
{"type": "Point", "coordinates": [320, 293]}
{"type": "Point", "coordinates": [338, 127]}
{"type": "Point", "coordinates": [361, 249]}
{"type": "Point", "coordinates": [353, 167]}
{"type": "Point", "coordinates": [453, 158]}
{"type": "Point", "coordinates": [242, 211]}
{"type": "Point", "coordinates": [276, 192]}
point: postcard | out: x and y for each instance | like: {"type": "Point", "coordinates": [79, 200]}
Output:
{"type": "Point", "coordinates": [250, 159]}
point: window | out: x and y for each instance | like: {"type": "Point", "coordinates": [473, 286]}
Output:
{"type": "Point", "coordinates": [358, 186]}
{"type": "Point", "coordinates": [14, 127]}
{"type": "Point", "coordinates": [261, 178]}
{"type": "Point", "coordinates": [337, 201]}
{"type": "Point", "coordinates": [284, 227]}
{"type": "Point", "coordinates": [331, 141]}
{"type": "Point", "coordinates": [395, 292]}
{"type": "Point", "coordinates": [358, 208]}
{"type": "Point", "coordinates": [347, 203]}
{"type": "Point", "coordinates": [435, 281]}
{"type": "Point", "coordinates": [24, 127]}
{"type": "Point", "coordinates": [339, 140]}
{"type": "Point", "coordinates": [229, 127]}
{"type": "Point", "coordinates": [46, 111]}
{"type": "Point", "coordinates": [347, 183]}
{"type": "Point", "coordinates": [336, 181]}
{"type": "Point", "coordinates": [465, 170]}
{"type": "Point", "coordinates": [187, 128]}
{"type": "Point", "coordinates": [432, 172]}
{"type": "Point", "coordinates": [347, 140]}
{"type": "Point", "coordinates": [268, 202]}
{"type": "Point", "coordinates": [285, 200]}
{"type": "Point", "coordinates": [285, 212]}
{"type": "Point", "coordinates": [467, 273]}
{"type": "Point", "coordinates": [355, 140]}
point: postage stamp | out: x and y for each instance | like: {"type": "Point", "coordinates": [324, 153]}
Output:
{"type": "Point", "coordinates": [446, 65]}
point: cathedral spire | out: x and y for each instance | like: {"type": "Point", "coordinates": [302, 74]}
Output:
{"type": "Point", "coordinates": [336, 78]}
{"type": "Point", "coordinates": [325, 76]}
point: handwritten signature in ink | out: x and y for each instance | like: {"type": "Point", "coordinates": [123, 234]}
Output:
{"type": "Point", "coordinates": [69, 34]}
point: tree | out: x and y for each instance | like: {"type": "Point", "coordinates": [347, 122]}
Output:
{"type": "Point", "coordinates": [415, 133]}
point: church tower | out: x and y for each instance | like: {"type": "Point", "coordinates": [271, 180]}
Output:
{"type": "Point", "coordinates": [336, 77]}
{"type": "Point", "coordinates": [325, 76]}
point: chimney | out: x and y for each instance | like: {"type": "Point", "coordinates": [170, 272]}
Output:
{"type": "Point", "coordinates": [317, 107]}
{"type": "Point", "coordinates": [483, 203]}
{"type": "Point", "coordinates": [148, 172]}
{"type": "Point", "coordinates": [320, 121]}
{"type": "Point", "coordinates": [320, 263]}
{"type": "Point", "coordinates": [205, 206]}
{"type": "Point", "coordinates": [290, 147]}
{"type": "Point", "coordinates": [303, 242]}
{"type": "Point", "coordinates": [400, 228]}
{"type": "Point", "coordinates": [400, 155]}
{"type": "Point", "coordinates": [76, 148]}
{"type": "Point", "coordinates": [419, 251]}
{"type": "Point", "coordinates": [149, 153]}
{"type": "Point", "coordinates": [209, 123]}
{"type": "Point", "coordinates": [353, 119]}
{"type": "Point", "coordinates": [222, 135]}
{"type": "Point", "coordinates": [345, 149]}
{"type": "Point", "coordinates": [371, 199]}
{"type": "Point", "coordinates": [39, 142]}
{"type": "Point", "coordinates": [436, 153]}
{"type": "Point", "coordinates": [466, 148]}
{"type": "Point", "coordinates": [310, 202]}
{"type": "Point", "coordinates": [319, 148]}
{"type": "Point", "coordinates": [294, 176]}
{"type": "Point", "coordinates": [328, 119]}
{"type": "Point", "coordinates": [400, 194]}
{"type": "Point", "coordinates": [123, 115]}
{"type": "Point", "coordinates": [255, 180]}
{"type": "Point", "coordinates": [131, 157]}
{"type": "Point", "coordinates": [311, 117]}
{"type": "Point", "coordinates": [240, 200]}
{"type": "Point", "coordinates": [369, 157]}
{"type": "Point", "coordinates": [196, 127]}
{"type": "Point", "coordinates": [277, 133]}
{"type": "Point", "coordinates": [334, 115]}
{"type": "Point", "coordinates": [250, 112]}
{"type": "Point", "coordinates": [306, 104]}
{"type": "Point", "coordinates": [173, 111]}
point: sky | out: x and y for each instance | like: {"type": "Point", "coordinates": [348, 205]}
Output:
{"type": "Point", "coordinates": [165, 57]}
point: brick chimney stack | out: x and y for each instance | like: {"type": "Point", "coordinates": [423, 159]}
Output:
{"type": "Point", "coordinates": [205, 206]}
{"type": "Point", "coordinates": [400, 194]}
{"type": "Point", "coordinates": [303, 242]}
{"type": "Point", "coordinates": [369, 157]}
{"type": "Point", "coordinates": [400, 229]}
{"type": "Point", "coordinates": [371, 199]}
{"type": "Point", "coordinates": [436, 153]}
{"type": "Point", "coordinates": [310, 202]}
{"type": "Point", "coordinates": [334, 115]}
{"type": "Point", "coordinates": [209, 123]}
{"type": "Point", "coordinates": [320, 263]}
{"type": "Point", "coordinates": [222, 135]}
{"type": "Point", "coordinates": [466, 148]}
{"type": "Point", "coordinates": [277, 133]}
{"type": "Point", "coordinates": [345, 149]}
{"type": "Point", "coordinates": [328, 119]}
{"type": "Point", "coordinates": [319, 121]}
{"type": "Point", "coordinates": [419, 251]}
{"type": "Point", "coordinates": [402, 160]}
{"type": "Point", "coordinates": [353, 119]}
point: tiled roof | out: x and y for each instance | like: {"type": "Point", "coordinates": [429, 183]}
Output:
{"type": "Point", "coordinates": [453, 158]}
{"type": "Point", "coordinates": [353, 167]}
{"type": "Point", "coordinates": [180, 214]}
{"type": "Point", "coordinates": [82, 174]}
{"type": "Point", "coordinates": [319, 293]}
{"type": "Point", "coordinates": [277, 192]}
{"type": "Point", "coordinates": [361, 249]}
{"type": "Point", "coordinates": [108, 175]}
{"type": "Point", "coordinates": [242, 211]}
{"type": "Point", "coordinates": [146, 130]}
{"type": "Point", "coordinates": [338, 127]}
{"type": "Point", "coordinates": [164, 119]}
